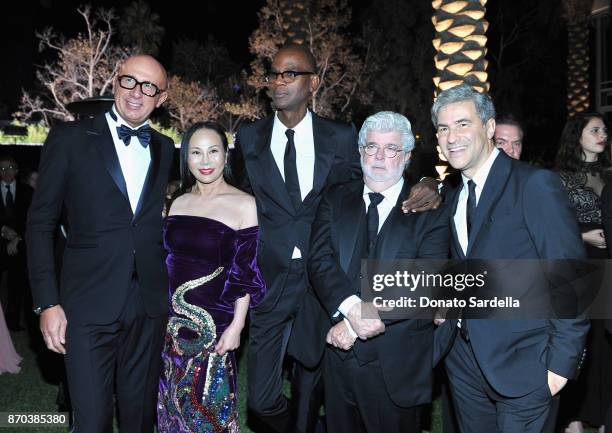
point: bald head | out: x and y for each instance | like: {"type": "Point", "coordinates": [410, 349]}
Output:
{"type": "Point", "coordinates": [144, 61]}
{"type": "Point", "coordinates": [301, 51]}
{"type": "Point", "coordinates": [131, 103]}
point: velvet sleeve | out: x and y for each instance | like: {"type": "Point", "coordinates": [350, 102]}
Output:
{"type": "Point", "coordinates": [244, 277]}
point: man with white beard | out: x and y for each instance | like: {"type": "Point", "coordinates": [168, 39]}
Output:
{"type": "Point", "coordinates": [374, 384]}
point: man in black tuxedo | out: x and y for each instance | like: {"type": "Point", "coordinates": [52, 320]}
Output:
{"type": "Point", "coordinates": [108, 314]}
{"type": "Point", "coordinates": [376, 383]}
{"type": "Point", "coordinates": [15, 201]}
{"type": "Point", "coordinates": [285, 161]}
{"type": "Point", "coordinates": [504, 373]}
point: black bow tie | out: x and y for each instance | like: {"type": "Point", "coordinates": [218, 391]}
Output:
{"type": "Point", "coordinates": [143, 133]}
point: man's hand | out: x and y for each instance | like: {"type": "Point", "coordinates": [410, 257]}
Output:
{"type": "Point", "coordinates": [555, 382]}
{"type": "Point", "coordinates": [365, 321]}
{"type": "Point", "coordinates": [8, 233]}
{"type": "Point", "coordinates": [53, 327]}
{"type": "Point", "coordinates": [423, 196]}
{"type": "Point", "coordinates": [12, 247]}
{"type": "Point", "coordinates": [340, 337]}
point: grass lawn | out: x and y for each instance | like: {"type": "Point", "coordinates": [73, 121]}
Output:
{"type": "Point", "coordinates": [28, 391]}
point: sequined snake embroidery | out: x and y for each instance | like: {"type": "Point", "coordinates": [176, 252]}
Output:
{"type": "Point", "coordinates": [216, 412]}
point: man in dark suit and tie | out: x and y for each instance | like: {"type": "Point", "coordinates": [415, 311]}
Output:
{"type": "Point", "coordinates": [376, 383]}
{"type": "Point", "coordinates": [285, 161]}
{"type": "Point", "coordinates": [15, 201]}
{"type": "Point", "coordinates": [108, 314]}
{"type": "Point", "coordinates": [504, 373]}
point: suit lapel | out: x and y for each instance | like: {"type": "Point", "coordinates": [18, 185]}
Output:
{"type": "Point", "coordinates": [388, 243]}
{"type": "Point", "coordinates": [454, 200]}
{"type": "Point", "coordinates": [269, 169]}
{"type": "Point", "coordinates": [152, 172]}
{"type": "Point", "coordinates": [103, 142]}
{"type": "Point", "coordinates": [493, 188]}
{"type": "Point", "coordinates": [352, 227]}
{"type": "Point", "coordinates": [325, 148]}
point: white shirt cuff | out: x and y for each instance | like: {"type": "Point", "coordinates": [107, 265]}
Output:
{"type": "Point", "coordinates": [347, 304]}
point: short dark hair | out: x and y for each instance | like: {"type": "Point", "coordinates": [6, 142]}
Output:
{"type": "Point", "coordinates": [10, 159]}
{"type": "Point", "coordinates": [310, 59]}
{"type": "Point", "coordinates": [510, 120]}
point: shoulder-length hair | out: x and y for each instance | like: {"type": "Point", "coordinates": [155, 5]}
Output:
{"type": "Point", "coordinates": [570, 156]}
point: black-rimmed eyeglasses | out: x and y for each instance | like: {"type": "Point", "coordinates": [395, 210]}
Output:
{"type": "Point", "coordinates": [147, 88]}
{"type": "Point", "coordinates": [286, 76]}
{"type": "Point", "coordinates": [389, 151]}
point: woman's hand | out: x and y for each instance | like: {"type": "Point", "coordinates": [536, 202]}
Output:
{"type": "Point", "coordinates": [230, 339]}
{"type": "Point", "coordinates": [595, 237]}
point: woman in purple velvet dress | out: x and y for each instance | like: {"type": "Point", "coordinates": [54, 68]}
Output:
{"type": "Point", "coordinates": [211, 238]}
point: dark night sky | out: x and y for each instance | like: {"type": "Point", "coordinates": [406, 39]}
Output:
{"type": "Point", "coordinates": [229, 21]}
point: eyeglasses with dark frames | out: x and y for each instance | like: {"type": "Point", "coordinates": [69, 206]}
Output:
{"type": "Point", "coordinates": [147, 88]}
{"type": "Point", "coordinates": [388, 151]}
{"type": "Point", "coordinates": [286, 76]}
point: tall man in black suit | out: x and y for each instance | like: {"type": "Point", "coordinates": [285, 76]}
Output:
{"type": "Point", "coordinates": [286, 160]}
{"type": "Point", "coordinates": [108, 313]}
{"type": "Point", "coordinates": [374, 384]}
{"type": "Point", "coordinates": [504, 373]}
{"type": "Point", "coordinates": [15, 201]}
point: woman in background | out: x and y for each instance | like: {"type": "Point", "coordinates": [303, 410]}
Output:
{"type": "Point", "coordinates": [582, 161]}
{"type": "Point", "coordinates": [211, 237]}
{"type": "Point", "coordinates": [9, 359]}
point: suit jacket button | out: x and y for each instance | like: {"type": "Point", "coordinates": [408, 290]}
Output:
{"type": "Point", "coordinates": [361, 276]}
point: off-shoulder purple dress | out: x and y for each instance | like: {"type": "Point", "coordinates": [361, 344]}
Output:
{"type": "Point", "coordinates": [210, 265]}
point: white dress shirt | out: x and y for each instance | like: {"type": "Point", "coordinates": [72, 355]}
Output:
{"type": "Point", "coordinates": [134, 159]}
{"type": "Point", "coordinates": [460, 214]}
{"type": "Point", "coordinates": [12, 187]}
{"type": "Point", "coordinates": [304, 155]}
{"type": "Point", "coordinates": [384, 208]}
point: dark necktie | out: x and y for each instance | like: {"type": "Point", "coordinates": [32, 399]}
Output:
{"type": "Point", "coordinates": [292, 182]}
{"type": "Point", "coordinates": [143, 133]}
{"type": "Point", "coordinates": [470, 209]}
{"type": "Point", "coordinates": [375, 199]}
{"type": "Point", "coordinates": [9, 201]}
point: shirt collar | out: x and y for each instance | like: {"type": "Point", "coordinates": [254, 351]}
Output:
{"type": "Point", "coordinates": [118, 120]}
{"type": "Point", "coordinates": [304, 126]}
{"type": "Point", "coordinates": [483, 172]}
{"type": "Point", "coordinates": [392, 193]}
{"type": "Point", "coordinates": [12, 184]}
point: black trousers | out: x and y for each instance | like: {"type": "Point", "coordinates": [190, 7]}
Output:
{"type": "Point", "coordinates": [480, 409]}
{"type": "Point", "coordinates": [269, 336]}
{"type": "Point", "coordinates": [127, 353]}
{"type": "Point", "coordinates": [356, 399]}
{"type": "Point", "coordinates": [19, 299]}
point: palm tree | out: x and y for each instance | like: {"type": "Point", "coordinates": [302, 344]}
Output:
{"type": "Point", "coordinates": [139, 28]}
{"type": "Point", "coordinates": [295, 21]}
{"type": "Point", "coordinates": [460, 43]}
{"type": "Point", "coordinates": [577, 15]}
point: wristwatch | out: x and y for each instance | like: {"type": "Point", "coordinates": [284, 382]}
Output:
{"type": "Point", "coordinates": [39, 310]}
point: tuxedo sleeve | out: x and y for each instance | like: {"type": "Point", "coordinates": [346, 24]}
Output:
{"type": "Point", "coordinates": [238, 165]}
{"type": "Point", "coordinates": [44, 214]}
{"type": "Point", "coordinates": [328, 279]}
{"type": "Point", "coordinates": [553, 227]}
